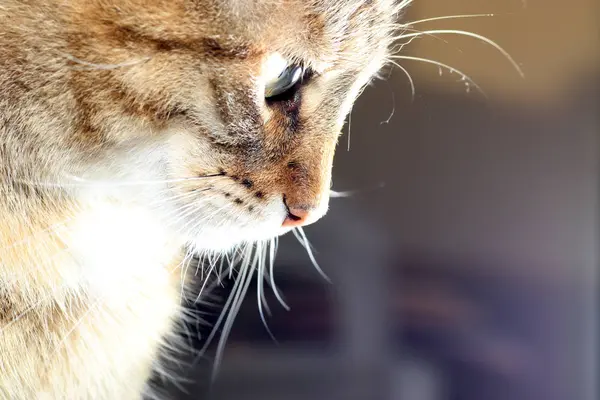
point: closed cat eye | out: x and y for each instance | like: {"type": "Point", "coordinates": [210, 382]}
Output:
{"type": "Point", "coordinates": [285, 81]}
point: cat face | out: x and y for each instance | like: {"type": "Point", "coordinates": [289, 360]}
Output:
{"type": "Point", "coordinates": [236, 105]}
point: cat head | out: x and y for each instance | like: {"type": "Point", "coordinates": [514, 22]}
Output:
{"type": "Point", "coordinates": [238, 105]}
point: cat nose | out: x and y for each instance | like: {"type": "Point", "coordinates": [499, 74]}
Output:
{"type": "Point", "coordinates": [295, 217]}
{"type": "Point", "coordinates": [298, 213]}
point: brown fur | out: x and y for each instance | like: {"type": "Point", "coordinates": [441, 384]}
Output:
{"type": "Point", "coordinates": [97, 89]}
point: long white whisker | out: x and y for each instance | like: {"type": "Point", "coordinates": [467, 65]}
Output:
{"type": "Point", "coordinates": [406, 29]}
{"type": "Point", "coordinates": [200, 221]}
{"type": "Point", "coordinates": [349, 127]}
{"type": "Point", "coordinates": [469, 34]}
{"type": "Point", "coordinates": [262, 275]}
{"type": "Point", "coordinates": [246, 273]}
{"type": "Point", "coordinates": [81, 182]}
{"type": "Point", "coordinates": [446, 66]}
{"type": "Point", "coordinates": [179, 194]}
{"type": "Point", "coordinates": [301, 236]}
{"type": "Point", "coordinates": [224, 259]}
{"type": "Point", "coordinates": [207, 279]}
{"type": "Point", "coordinates": [412, 86]}
{"type": "Point", "coordinates": [259, 295]}
{"type": "Point", "coordinates": [143, 182]}
{"type": "Point", "coordinates": [420, 21]}
{"type": "Point", "coordinates": [185, 265]}
{"type": "Point", "coordinates": [387, 121]}
{"type": "Point", "coordinates": [247, 252]}
{"type": "Point", "coordinates": [180, 213]}
{"type": "Point", "coordinates": [272, 250]}
{"type": "Point", "coordinates": [336, 194]}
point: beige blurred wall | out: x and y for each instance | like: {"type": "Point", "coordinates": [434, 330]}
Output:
{"type": "Point", "coordinates": [554, 43]}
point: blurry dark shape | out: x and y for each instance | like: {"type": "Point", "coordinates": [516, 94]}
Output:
{"type": "Point", "coordinates": [311, 323]}
{"type": "Point", "coordinates": [483, 325]}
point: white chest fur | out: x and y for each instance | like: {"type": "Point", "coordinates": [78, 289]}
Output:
{"type": "Point", "coordinates": [125, 267]}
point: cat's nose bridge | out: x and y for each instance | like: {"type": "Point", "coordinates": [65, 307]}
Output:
{"type": "Point", "coordinates": [303, 186]}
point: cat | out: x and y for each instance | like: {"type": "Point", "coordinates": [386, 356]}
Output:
{"type": "Point", "coordinates": [134, 133]}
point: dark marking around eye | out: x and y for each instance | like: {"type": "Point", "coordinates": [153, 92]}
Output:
{"type": "Point", "coordinates": [259, 195]}
{"type": "Point", "coordinates": [248, 183]}
{"type": "Point", "coordinates": [238, 201]}
{"type": "Point", "coordinates": [288, 102]}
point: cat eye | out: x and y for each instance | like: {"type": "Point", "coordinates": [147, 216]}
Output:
{"type": "Point", "coordinates": [288, 78]}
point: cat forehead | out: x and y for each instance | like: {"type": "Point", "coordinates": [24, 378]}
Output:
{"type": "Point", "coordinates": [324, 25]}
{"type": "Point", "coordinates": [307, 29]}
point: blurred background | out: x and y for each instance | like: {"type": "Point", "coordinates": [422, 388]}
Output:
{"type": "Point", "coordinates": [465, 265]}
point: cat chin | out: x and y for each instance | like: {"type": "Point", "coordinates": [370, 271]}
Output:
{"type": "Point", "coordinates": [224, 240]}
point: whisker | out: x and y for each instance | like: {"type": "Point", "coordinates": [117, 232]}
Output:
{"type": "Point", "coordinates": [349, 126]}
{"type": "Point", "coordinates": [272, 251]}
{"type": "Point", "coordinates": [207, 278]}
{"type": "Point", "coordinates": [220, 274]}
{"type": "Point", "coordinates": [301, 236]}
{"type": "Point", "coordinates": [248, 272]}
{"type": "Point", "coordinates": [425, 33]}
{"type": "Point", "coordinates": [420, 21]}
{"type": "Point", "coordinates": [262, 275]}
{"type": "Point", "coordinates": [335, 194]}
{"type": "Point", "coordinates": [201, 220]}
{"type": "Point", "coordinates": [179, 195]}
{"type": "Point", "coordinates": [387, 121]}
{"type": "Point", "coordinates": [81, 182]}
{"type": "Point", "coordinates": [185, 209]}
{"type": "Point", "coordinates": [185, 265]}
{"type": "Point", "coordinates": [231, 307]}
{"type": "Point", "coordinates": [349, 193]}
{"type": "Point", "coordinates": [446, 66]}
{"type": "Point", "coordinates": [260, 262]}
{"type": "Point", "coordinates": [469, 34]}
{"type": "Point", "coordinates": [226, 306]}
{"type": "Point", "coordinates": [146, 182]}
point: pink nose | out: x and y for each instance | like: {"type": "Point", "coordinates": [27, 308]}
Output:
{"type": "Point", "coordinates": [295, 217]}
